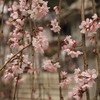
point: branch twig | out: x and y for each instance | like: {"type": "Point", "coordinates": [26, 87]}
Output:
{"type": "Point", "coordinates": [98, 56]}
{"type": "Point", "coordinates": [59, 71]}
{"type": "Point", "coordinates": [31, 35]}
{"type": "Point", "coordinates": [84, 46]}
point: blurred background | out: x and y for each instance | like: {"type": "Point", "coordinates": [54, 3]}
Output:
{"type": "Point", "coordinates": [46, 85]}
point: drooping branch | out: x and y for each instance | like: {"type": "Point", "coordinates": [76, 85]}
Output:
{"type": "Point", "coordinates": [84, 46]}
{"type": "Point", "coordinates": [97, 55]}
{"type": "Point", "coordinates": [59, 71]}
{"type": "Point", "coordinates": [18, 76]}
{"type": "Point", "coordinates": [31, 35]}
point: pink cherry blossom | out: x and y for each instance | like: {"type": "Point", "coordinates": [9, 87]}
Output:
{"type": "Point", "coordinates": [63, 73]}
{"type": "Point", "coordinates": [90, 26]}
{"type": "Point", "coordinates": [17, 70]}
{"type": "Point", "coordinates": [40, 42]}
{"type": "Point", "coordinates": [72, 53]}
{"type": "Point", "coordinates": [9, 56]}
{"type": "Point", "coordinates": [69, 47]}
{"type": "Point", "coordinates": [95, 16]}
{"type": "Point", "coordinates": [56, 8]}
{"type": "Point", "coordinates": [14, 15]}
{"type": "Point", "coordinates": [76, 94]}
{"type": "Point", "coordinates": [8, 75]}
{"type": "Point", "coordinates": [85, 79]}
{"type": "Point", "coordinates": [55, 26]}
{"type": "Point", "coordinates": [51, 67]}
{"type": "Point", "coordinates": [39, 9]}
{"type": "Point", "coordinates": [23, 5]}
{"type": "Point", "coordinates": [14, 7]}
{"type": "Point", "coordinates": [65, 79]}
{"type": "Point", "coordinates": [64, 83]}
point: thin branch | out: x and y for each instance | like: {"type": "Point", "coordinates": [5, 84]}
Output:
{"type": "Point", "coordinates": [31, 35]}
{"type": "Point", "coordinates": [14, 56]}
{"type": "Point", "coordinates": [15, 90]}
{"type": "Point", "coordinates": [98, 56]}
{"type": "Point", "coordinates": [84, 46]}
{"type": "Point", "coordinates": [32, 60]}
{"type": "Point", "coordinates": [59, 71]}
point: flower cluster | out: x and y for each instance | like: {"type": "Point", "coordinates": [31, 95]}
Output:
{"type": "Point", "coordinates": [85, 80]}
{"type": "Point", "coordinates": [40, 42]}
{"type": "Point", "coordinates": [51, 66]}
{"type": "Point", "coordinates": [38, 9]}
{"type": "Point", "coordinates": [17, 20]}
{"type": "Point", "coordinates": [69, 47]}
{"type": "Point", "coordinates": [17, 66]}
{"type": "Point", "coordinates": [55, 26]}
{"type": "Point", "coordinates": [65, 80]}
{"type": "Point", "coordinates": [90, 26]}
{"type": "Point", "coordinates": [76, 94]}
{"type": "Point", "coordinates": [24, 5]}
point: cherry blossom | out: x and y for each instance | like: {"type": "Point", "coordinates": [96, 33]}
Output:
{"type": "Point", "coordinates": [55, 26]}
{"type": "Point", "coordinates": [86, 78]}
{"type": "Point", "coordinates": [65, 80]}
{"type": "Point", "coordinates": [95, 16]}
{"type": "Point", "coordinates": [40, 42]}
{"type": "Point", "coordinates": [56, 8]}
{"type": "Point", "coordinates": [23, 5]}
{"type": "Point", "coordinates": [69, 47]}
{"type": "Point", "coordinates": [90, 26]}
{"type": "Point", "coordinates": [50, 66]}
{"type": "Point", "coordinates": [9, 56]}
{"type": "Point", "coordinates": [15, 69]}
{"type": "Point", "coordinates": [14, 7]}
{"type": "Point", "coordinates": [8, 75]}
{"type": "Point", "coordinates": [38, 9]}
{"type": "Point", "coordinates": [63, 73]}
{"type": "Point", "coordinates": [76, 94]}
{"type": "Point", "coordinates": [73, 53]}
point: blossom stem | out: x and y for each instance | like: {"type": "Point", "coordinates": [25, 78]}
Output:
{"type": "Point", "coordinates": [84, 46]}
{"type": "Point", "coordinates": [14, 56]}
{"type": "Point", "coordinates": [98, 56]}
{"type": "Point", "coordinates": [59, 71]}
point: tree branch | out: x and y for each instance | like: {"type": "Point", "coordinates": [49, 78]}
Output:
{"type": "Point", "coordinates": [84, 46]}
{"type": "Point", "coordinates": [98, 56]}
